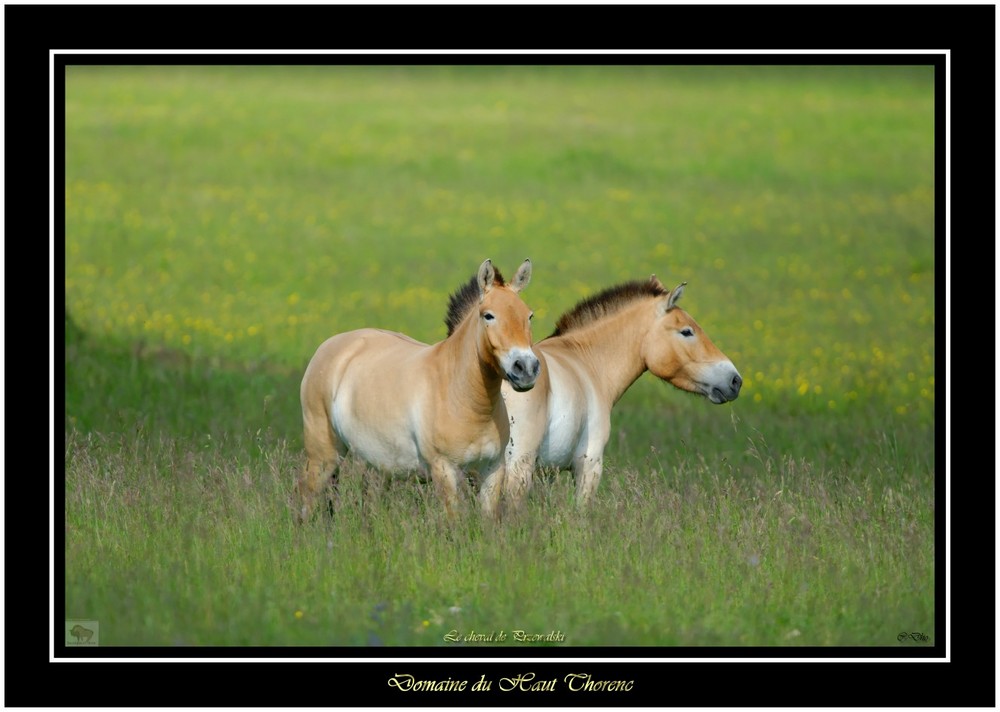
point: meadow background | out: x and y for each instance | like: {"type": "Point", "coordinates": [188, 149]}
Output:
{"type": "Point", "coordinates": [221, 222]}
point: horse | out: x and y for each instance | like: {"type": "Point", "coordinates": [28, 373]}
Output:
{"type": "Point", "coordinates": [404, 406]}
{"type": "Point", "coordinates": [598, 350]}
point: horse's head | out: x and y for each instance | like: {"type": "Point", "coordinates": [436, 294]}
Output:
{"type": "Point", "coordinates": [677, 350]}
{"type": "Point", "coordinates": [505, 325]}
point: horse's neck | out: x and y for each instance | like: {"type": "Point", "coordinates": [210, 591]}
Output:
{"type": "Point", "coordinates": [610, 349]}
{"type": "Point", "coordinates": [472, 387]}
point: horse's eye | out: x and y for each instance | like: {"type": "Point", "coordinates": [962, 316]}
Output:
{"type": "Point", "coordinates": [531, 316]}
{"type": "Point", "coordinates": [488, 316]}
{"type": "Point", "coordinates": [687, 331]}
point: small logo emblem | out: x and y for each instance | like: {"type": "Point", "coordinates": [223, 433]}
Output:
{"type": "Point", "coordinates": [80, 632]}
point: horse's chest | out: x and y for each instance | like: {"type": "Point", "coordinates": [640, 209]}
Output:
{"type": "Point", "coordinates": [471, 446]}
{"type": "Point", "coordinates": [566, 426]}
{"type": "Point", "coordinates": [485, 452]}
{"type": "Point", "coordinates": [562, 436]}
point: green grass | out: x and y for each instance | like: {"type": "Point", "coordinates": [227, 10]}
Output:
{"type": "Point", "coordinates": [180, 545]}
{"type": "Point", "coordinates": [222, 221]}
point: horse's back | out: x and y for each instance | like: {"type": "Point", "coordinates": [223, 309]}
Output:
{"type": "Point", "coordinates": [375, 346]}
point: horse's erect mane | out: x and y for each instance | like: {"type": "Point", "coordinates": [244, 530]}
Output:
{"type": "Point", "coordinates": [462, 301]}
{"type": "Point", "coordinates": [609, 301]}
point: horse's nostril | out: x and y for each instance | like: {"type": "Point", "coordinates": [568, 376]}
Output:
{"type": "Point", "coordinates": [737, 382]}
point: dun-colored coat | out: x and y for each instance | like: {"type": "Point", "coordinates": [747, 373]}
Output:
{"type": "Point", "coordinates": [405, 406]}
{"type": "Point", "coordinates": [598, 350]}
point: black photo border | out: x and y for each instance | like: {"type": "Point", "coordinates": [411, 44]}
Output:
{"type": "Point", "coordinates": [962, 37]}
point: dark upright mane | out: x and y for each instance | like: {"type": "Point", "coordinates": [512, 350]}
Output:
{"type": "Point", "coordinates": [461, 302]}
{"type": "Point", "coordinates": [607, 302]}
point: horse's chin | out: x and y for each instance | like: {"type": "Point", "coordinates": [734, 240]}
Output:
{"type": "Point", "coordinates": [520, 387]}
{"type": "Point", "coordinates": [713, 394]}
{"type": "Point", "coordinates": [716, 396]}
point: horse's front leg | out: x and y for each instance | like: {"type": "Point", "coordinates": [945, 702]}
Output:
{"type": "Point", "coordinates": [527, 429]}
{"type": "Point", "coordinates": [587, 469]}
{"type": "Point", "coordinates": [588, 465]}
{"type": "Point", "coordinates": [520, 474]}
{"type": "Point", "coordinates": [445, 476]}
{"type": "Point", "coordinates": [491, 486]}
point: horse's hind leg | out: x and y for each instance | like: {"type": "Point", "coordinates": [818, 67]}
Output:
{"type": "Point", "coordinates": [324, 452]}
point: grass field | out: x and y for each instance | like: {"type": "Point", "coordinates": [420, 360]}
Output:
{"type": "Point", "coordinates": [220, 222]}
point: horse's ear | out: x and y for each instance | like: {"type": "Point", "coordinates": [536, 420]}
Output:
{"type": "Point", "coordinates": [656, 283]}
{"type": "Point", "coordinates": [522, 277]}
{"type": "Point", "coordinates": [674, 295]}
{"type": "Point", "coordinates": [485, 277]}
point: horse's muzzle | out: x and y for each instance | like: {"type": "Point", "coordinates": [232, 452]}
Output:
{"type": "Point", "coordinates": [524, 372]}
{"type": "Point", "coordinates": [727, 392]}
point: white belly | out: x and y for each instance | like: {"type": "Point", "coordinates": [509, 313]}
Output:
{"type": "Point", "coordinates": [389, 444]}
